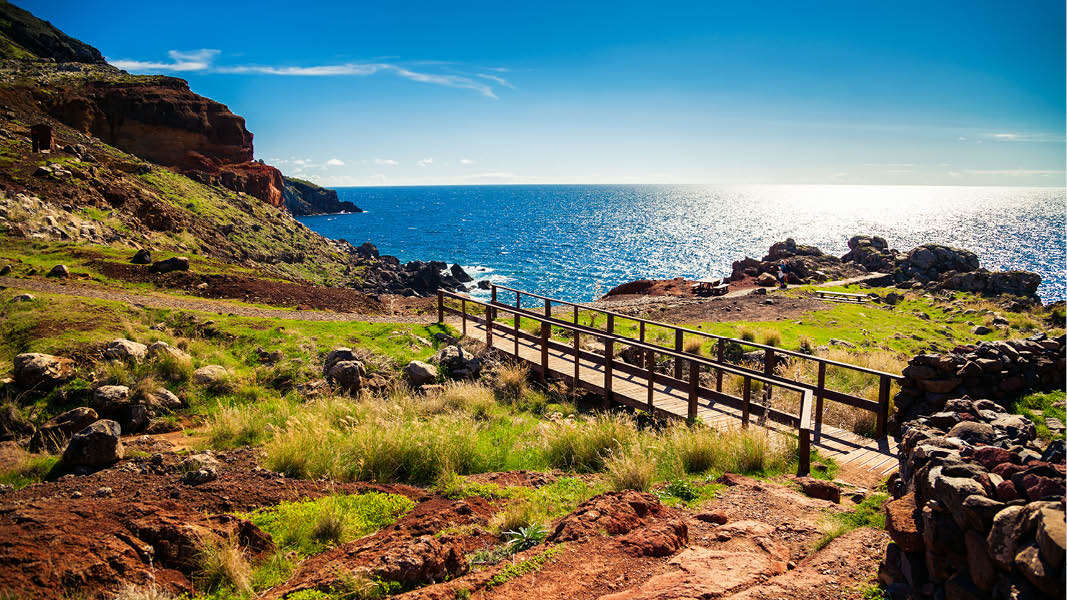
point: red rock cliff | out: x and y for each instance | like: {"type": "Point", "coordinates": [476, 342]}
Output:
{"type": "Point", "coordinates": [161, 120]}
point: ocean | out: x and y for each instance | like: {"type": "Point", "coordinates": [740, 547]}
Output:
{"type": "Point", "coordinates": [575, 242]}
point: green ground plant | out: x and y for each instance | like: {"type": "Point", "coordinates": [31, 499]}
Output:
{"type": "Point", "coordinates": [868, 513]}
{"type": "Point", "coordinates": [1040, 406]}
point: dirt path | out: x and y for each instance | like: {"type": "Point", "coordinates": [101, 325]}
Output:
{"type": "Point", "coordinates": [201, 304]}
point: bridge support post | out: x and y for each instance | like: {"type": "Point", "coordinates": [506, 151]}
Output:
{"type": "Point", "coordinates": [463, 315]}
{"type": "Point", "coordinates": [440, 306]}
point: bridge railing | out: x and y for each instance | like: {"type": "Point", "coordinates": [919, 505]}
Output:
{"type": "Point", "coordinates": [488, 314]}
{"type": "Point", "coordinates": [771, 354]}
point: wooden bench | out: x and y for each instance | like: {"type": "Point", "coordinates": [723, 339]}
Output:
{"type": "Point", "coordinates": [710, 288]}
{"type": "Point", "coordinates": [841, 297]}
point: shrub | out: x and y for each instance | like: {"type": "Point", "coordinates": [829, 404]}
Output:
{"type": "Point", "coordinates": [805, 345]}
{"type": "Point", "coordinates": [583, 446]}
{"type": "Point", "coordinates": [771, 337]}
{"type": "Point", "coordinates": [693, 447]}
{"type": "Point", "coordinates": [173, 369]}
{"type": "Point", "coordinates": [754, 450]}
{"type": "Point", "coordinates": [222, 564]}
{"type": "Point", "coordinates": [510, 381]}
{"type": "Point", "coordinates": [694, 346]}
{"type": "Point", "coordinates": [630, 470]}
{"type": "Point", "coordinates": [746, 334]}
{"type": "Point", "coordinates": [682, 489]}
{"type": "Point", "coordinates": [515, 516]}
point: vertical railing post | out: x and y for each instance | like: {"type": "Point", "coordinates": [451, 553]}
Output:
{"type": "Point", "coordinates": [768, 369]}
{"type": "Point", "coordinates": [883, 403]}
{"type": "Point", "coordinates": [490, 312]}
{"type": "Point", "coordinates": [641, 332]}
{"type": "Point", "coordinates": [440, 306]}
{"type": "Point", "coordinates": [609, 357]}
{"type": "Point", "coordinates": [694, 389]}
{"type": "Point", "coordinates": [720, 351]}
{"type": "Point", "coordinates": [678, 348]}
{"type": "Point", "coordinates": [544, 350]}
{"type": "Point", "coordinates": [611, 324]}
{"type": "Point", "coordinates": [820, 386]}
{"type": "Point", "coordinates": [463, 313]}
{"type": "Point", "coordinates": [746, 398]}
{"type": "Point", "coordinates": [650, 365]}
{"type": "Point", "coordinates": [517, 334]}
{"type": "Point", "coordinates": [804, 452]}
{"type": "Point", "coordinates": [577, 358]}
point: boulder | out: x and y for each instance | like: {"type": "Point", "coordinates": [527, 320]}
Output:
{"type": "Point", "coordinates": [902, 523]}
{"type": "Point", "coordinates": [42, 371]}
{"type": "Point", "coordinates": [60, 271]}
{"type": "Point", "coordinates": [195, 462]}
{"type": "Point", "coordinates": [54, 434]}
{"type": "Point", "coordinates": [766, 280]}
{"type": "Point", "coordinates": [175, 263]}
{"type": "Point", "coordinates": [211, 376]}
{"type": "Point", "coordinates": [981, 330]}
{"type": "Point", "coordinates": [160, 350]}
{"type": "Point", "coordinates": [335, 356]}
{"type": "Point", "coordinates": [142, 257]}
{"type": "Point", "coordinates": [95, 446]}
{"type": "Point", "coordinates": [1037, 570]}
{"type": "Point", "coordinates": [162, 400]}
{"type": "Point", "coordinates": [460, 275]}
{"type": "Point", "coordinates": [347, 374]}
{"type": "Point", "coordinates": [973, 432]}
{"type": "Point", "coordinates": [418, 373]}
{"type": "Point", "coordinates": [108, 398]}
{"type": "Point", "coordinates": [1052, 535]}
{"type": "Point", "coordinates": [817, 488]}
{"type": "Point", "coordinates": [5, 270]}
{"type": "Point", "coordinates": [457, 362]}
{"type": "Point", "coordinates": [24, 298]}
{"type": "Point", "coordinates": [367, 250]}
{"type": "Point", "coordinates": [123, 349]}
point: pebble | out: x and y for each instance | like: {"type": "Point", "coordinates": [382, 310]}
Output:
{"type": "Point", "coordinates": [103, 492]}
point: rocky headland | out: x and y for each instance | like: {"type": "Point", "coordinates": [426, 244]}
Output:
{"type": "Point", "coordinates": [304, 198]}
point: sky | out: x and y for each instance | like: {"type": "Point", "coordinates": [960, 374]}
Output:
{"type": "Point", "coordinates": [431, 93]}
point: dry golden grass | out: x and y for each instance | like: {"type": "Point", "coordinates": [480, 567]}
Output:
{"type": "Point", "coordinates": [630, 469]}
{"type": "Point", "coordinates": [222, 564]}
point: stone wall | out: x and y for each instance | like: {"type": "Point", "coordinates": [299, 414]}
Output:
{"type": "Point", "coordinates": [998, 370]}
{"type": "Point", "coordinates": [979, 501]}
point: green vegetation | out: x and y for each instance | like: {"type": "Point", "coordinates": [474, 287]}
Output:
{"type": "Point", "coordinates": [1039, 406]}
{"type": "Point", "coordinates": [308, 527]}
{"type": "Point", "coordinates": [28, 469]}
{"type": "Point", "coordinates": [524, 567]}
{"type": "Point", "coordinates": [866, 514]}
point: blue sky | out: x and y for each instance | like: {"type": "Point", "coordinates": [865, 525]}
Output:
{"type": "Point", "coordinates": [359, 93]}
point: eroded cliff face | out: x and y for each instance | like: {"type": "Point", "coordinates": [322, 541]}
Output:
{"type": "Point", "coordinates": [161, 120]}
{"type": "Point", "coordinates": [305, 198]}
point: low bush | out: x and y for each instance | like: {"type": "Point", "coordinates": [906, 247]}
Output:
{"type": "Point", "coordinates": [631, 469]}
{"type": "Point", "coordinates": [583, 446]}
{"type": "Point", "coordinates": [221, 564]}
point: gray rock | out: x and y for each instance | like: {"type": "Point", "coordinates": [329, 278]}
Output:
{"type": "Point", "coordinates": [981, 330]}
{"type": "Point", "coordinates": [457, 362]}
{"type": "Point", "coordinates": [95, 446]}
{"type": "Point", "coordinates": [24, 298]}
{"type": "Point", "coordinates": [973, 432]}
{"type": "Point", "coordinates": [952, 491]}
{"type": "Point", "coordinates": [211, 376]}
{"type": "Point", "coordinates": [123, 349]}
{"type": "Point", "coordinates": [200, 476]}
{"type": "Point", "coordinates": [347, 374]}
{"type": "Point", "coordinates": [60, 271]}
{"type": "Point", "coordinates": [42, 371]}
{"type": "Point", "coordinates": [162, 349]}
{"type": "Point", "coordinates": [162, 400]}
{"type": "Point", "coordinates": [1037, 571]}
{"type": "Point", "coordinates": [143, 257]}
{"type": "Point", "coordinates": [418, 373]}
{"type": "Point", "coordinates": [1009, 526]}
{"type": "Point", "coordinates": [54, 434]}
{"type": "Point", "coordinates": [195, 462]}
{"type": "Point", "coordinates": [108, 398]}
{"type": "Point", "coordinates": [335, 356]}
{"type": "Point", "coordinates": [979, 511]}
{"type": "Point", "coordinates": [1016, 427]}
{"type": "Point", "coordinates": [1052, 535]}
{"type": "Point", "coordinates": [983, 572]}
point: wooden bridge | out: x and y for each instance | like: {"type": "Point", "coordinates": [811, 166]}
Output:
{"type": "Point", "coordinates": [673, 381]}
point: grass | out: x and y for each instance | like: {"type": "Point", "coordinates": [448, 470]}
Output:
{"type": "Point", "coordinates": [523, 567]}
{"type": "Point", "coordinates": [308, 527]}
{"type": "Point", "coordinates": [868, 513]}
{"type": "Point", "coordinates": [1039, 406]}
{"type": "Point", "coordinates": [632, 469]}
{"type": "Point", "coordinates": [221, 565]}
{"type": "Point", "coordinates": [28, 469]}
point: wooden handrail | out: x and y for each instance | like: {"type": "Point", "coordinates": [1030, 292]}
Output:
{"type": "Point", "coordinates": [802, 420]}
{"type": "Point", "coordinates": [706, 334]}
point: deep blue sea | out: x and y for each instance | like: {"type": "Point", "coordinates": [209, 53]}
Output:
{"type": "Point", "coordinates": [576, 242]}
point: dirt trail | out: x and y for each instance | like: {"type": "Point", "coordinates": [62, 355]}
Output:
{"type": "Point", "coordinates": [201, 304]}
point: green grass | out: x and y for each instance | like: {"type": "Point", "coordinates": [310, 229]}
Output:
{"type": "Point", "coordinates": [1038, 406]}
{"type": "Point", "coordinates": [30, 469]}
{"type": "Point", "coordinates": [308, 527]}
{"type": "Point", "coordinates": [868, 513]}
{"type": "Point", "coordinates": [523, 567]}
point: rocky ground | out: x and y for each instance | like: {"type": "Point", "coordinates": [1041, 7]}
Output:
{"type": "Point", "coordinates": [137, 521]}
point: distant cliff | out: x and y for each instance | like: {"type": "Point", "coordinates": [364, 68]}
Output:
{"type": "Point", "coordinates": [25, 36]}
{"type": "Point", "coordinates": [306, 198]}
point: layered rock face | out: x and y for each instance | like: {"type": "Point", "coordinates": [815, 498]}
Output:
{"type": "Point", "coordinates": [161, 120]}
{"type": "Point", "coordinates": [305, 198]}
{"type": "Point", "coordinates": [27, 37]}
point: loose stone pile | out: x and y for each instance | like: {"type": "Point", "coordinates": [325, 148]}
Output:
{"type": "Point", "coordinates": [998, 370]}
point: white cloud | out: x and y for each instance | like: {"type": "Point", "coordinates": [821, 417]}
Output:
{"type": "Point", "coordinates": [335, 162]}
{"type": "Point", "coordinates": [889, 165]}
{"type": "Point", "coordinates": [1005, 136]}
{"type": "Point", "coordinates": [466, 161]}
{"type": "Point", "coordinates": [386, 162]}
{"type": "Point", "coordinates": [1014, 172]}
{"type": "Point", "coordinates": [203, 60]}
{"type": "Point", "coordinates": [425, 162]}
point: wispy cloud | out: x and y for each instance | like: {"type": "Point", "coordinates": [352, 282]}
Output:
{"type": "Point", "coordinates": [466, 161]}
{"type": "Point", "coordinates": [1026, 136]}
{"type": "Point", "coordinates": [889, 165]}
{"type": "Point", "coordinates": [386, 162]}
{"type": "Point", "coordinates": [335, 162]}
{"type": "Point", "coordinates": [1014, 172]}
{"type": "Point", "coordinates": [425, 162]}
{"type": "Point", "coordinates": [203, 60]}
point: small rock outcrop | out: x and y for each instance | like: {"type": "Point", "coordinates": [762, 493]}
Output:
{"type": "Point", "coordinates": [41, 371]}
{"type": "Point", "coordinates": [305, 198]}
{"type": "Point", "coordinates": [97, 445]}
{"type": "Point", "coordinates": [123, 349]}
{"type": "Point", "coordinates": [158, 350]}
{"type": "Point", "coordinates": [54, 434]}
{"type": "Point", "coordinates": [418, 373]}
{"type": "Point", "coordinates": [174, 263]}
{"type": "Point", "coordinates": [142, 257]}
{"type": "Point", "coordinates": [212, 377]}
{"type": "Point", "coordinates": [458, 363]}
